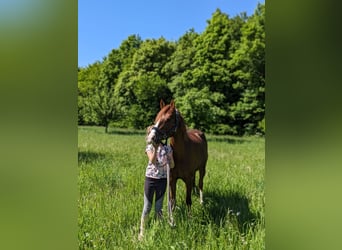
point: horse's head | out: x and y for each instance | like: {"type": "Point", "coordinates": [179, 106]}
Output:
{"type": "Point", "coordinates": [165, 124]}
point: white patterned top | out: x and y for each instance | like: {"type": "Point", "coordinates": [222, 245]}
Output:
{"type": "Point", "coordinates": [159, 170]}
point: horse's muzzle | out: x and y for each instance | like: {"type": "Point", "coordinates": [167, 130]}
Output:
{"type": "Point", "coordinates": [156, 135]}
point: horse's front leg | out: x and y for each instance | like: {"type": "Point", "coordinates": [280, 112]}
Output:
{"type": "Point", "coordinates": [172, 187]}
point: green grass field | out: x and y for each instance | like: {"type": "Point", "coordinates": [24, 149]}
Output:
{"type": "Point", "coordinates": [111, 179]}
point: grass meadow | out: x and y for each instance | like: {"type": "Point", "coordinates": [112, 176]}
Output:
{"type": "Point", "coordinates": [111, 179]}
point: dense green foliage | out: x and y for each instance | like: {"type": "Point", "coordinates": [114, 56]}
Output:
{"type": "Point", "coordinates": [217, 78]}
{"type": "Point", "coordinates": [111, 186]}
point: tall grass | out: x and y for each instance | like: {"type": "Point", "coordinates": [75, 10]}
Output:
{"type": "Point", "coordinates": [111, 179]}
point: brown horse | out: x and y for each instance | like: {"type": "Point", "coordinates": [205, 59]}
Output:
{"type": "Point", "coordinates": [190, 150]}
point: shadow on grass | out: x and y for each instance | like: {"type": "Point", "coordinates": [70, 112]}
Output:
{"type": "Point", "coordinates": [89, 157]}
{"type": "Point", "coordinates": [119, 131]}
{"type": "Point", "coordinates": [227, 140]}
{"type": "Point", "coordinates": [111, 130]}
{"type": "Point", "coordinates": [233, 207]}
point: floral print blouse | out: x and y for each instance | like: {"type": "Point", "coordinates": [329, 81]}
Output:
{"type": "Point", "coordinates": [159, 170]}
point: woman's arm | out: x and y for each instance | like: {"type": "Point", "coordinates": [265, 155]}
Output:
{"type": "Point", "coordinates": [151, 154]}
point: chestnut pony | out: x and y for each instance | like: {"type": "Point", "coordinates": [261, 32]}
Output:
{"type": "Point", "coordinates": [190, 149]}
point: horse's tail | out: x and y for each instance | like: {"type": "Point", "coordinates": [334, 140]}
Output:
{"type": "Point", "coordinates": [202, 135]}
{"type": "Point", "coordinates": [205, 143]}
{"type": "Point", "coordinates": [202, 167]}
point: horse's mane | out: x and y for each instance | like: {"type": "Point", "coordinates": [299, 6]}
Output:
{"type": "Point", "coordinates": [181, 123]}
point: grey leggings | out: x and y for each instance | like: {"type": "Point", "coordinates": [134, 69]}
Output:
{"type": "Point", "coordinates": [157, 187]}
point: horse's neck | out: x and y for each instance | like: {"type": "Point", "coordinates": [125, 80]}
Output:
{"type": "Point", "coordinates": [178, 141]}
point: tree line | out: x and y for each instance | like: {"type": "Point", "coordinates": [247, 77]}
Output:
{"type": "Point", "coordinates": [217, 78]}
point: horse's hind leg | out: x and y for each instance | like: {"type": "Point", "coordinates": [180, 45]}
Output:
{"type": "Point", "coordinates": [194, 187]}
{"type": "Point", "coordinates": [200, 183]}
{"type": "Point", "coordinates": [188, 184]}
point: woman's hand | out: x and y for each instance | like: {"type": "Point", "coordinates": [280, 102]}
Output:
{"type": "Point", "coordinates": [151, 154]}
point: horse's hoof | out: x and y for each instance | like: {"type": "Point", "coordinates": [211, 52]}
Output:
{"type": "Point", "coordinates": [140, 237]}
{"type": "Point", "coordinates": [172, 224]}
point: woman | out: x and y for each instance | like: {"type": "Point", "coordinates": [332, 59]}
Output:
{"type": "Point", "coordinates": [159, 156]}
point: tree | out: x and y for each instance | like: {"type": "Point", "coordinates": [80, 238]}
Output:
{"type": "Point", "coordinates": [152, 56]}
{"type": "Point", "coordinates": [208, 75]}
{"type": "Point", "coordinates": [105, 106]}
{"type": "Point", "coordinates": [149, 88]}
{"type": "Point", "coordinates": [105, 103]}
{"type": "Point", "coordinates": [248, 64]}
{"type": "Point", "coordinates": [213, 50]}
{"type": "Point", "coordinates": [197, 106]}
{"type": "Point", "coordinates": [140, 88]}
{"type": "Point", "coordinates": [88, 80]}
{"type": "Point", "coordinates": [182, 58]}
{"type": "Point", "coordinates": [127, 50]}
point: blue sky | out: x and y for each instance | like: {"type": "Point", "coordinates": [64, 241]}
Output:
{"type": "Point", "coordinates": [104, 24]}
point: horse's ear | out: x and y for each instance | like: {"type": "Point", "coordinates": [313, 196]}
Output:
{"type": "Point", "coordinates": [162, 103]}
{"type": "Point", "coordinates": [172, 104]}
